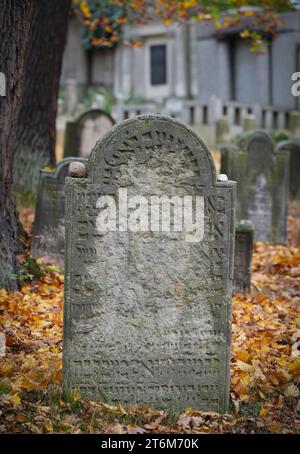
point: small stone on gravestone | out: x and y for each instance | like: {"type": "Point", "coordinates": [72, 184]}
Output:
{"type": "Point", "coordinates": [262, 176]}
{"type": "Point", "coordinates": [82, 134]}
{"type": "Point", "coordinates": [48, 227]}
{"type": "Point", "coordinates": [244, 234]}
{"type": "Point", "coordinates": [293, 147]}
{"type": "Point", "coordinates": [77, 170]}
{"type": "Point", "coordinates": [148, 295]}
{"type": "Point", "coordinates": [222, 177]}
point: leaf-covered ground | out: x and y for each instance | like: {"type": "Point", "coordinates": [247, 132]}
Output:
{"type": "Point", "coordinates": [265, 364]}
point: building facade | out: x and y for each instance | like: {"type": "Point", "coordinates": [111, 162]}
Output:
{"type": "Point", "coordinates": [193, 62]}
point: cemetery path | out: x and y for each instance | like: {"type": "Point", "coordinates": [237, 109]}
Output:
{"type": "Point", "coordinates": [265, 366]}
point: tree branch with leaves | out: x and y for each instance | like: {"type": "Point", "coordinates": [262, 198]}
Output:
{"type": "Point", "coordinates": [103, 19]}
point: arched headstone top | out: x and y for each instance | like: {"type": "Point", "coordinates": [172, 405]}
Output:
{"type": "Point", "coordinates": [82, 133]}
{"type": "Point", "coordinates": [146, 137]}
{"type": "Point", "coordinates": [287, 145]}
{"type": "Point", "coordinates": [260, 151]}
{"type": "Point", "coordinates": [94, 113]}
{"type": "Point", "coordinates": [257, 140]}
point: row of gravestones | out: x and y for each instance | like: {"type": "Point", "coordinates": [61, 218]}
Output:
{"type": "Point", "coordinates": [262, 198]}
{"type": "Point", "coordinates": [147, 313]}
{"type": "Point", "coordinates": [82, 134]}
{"type": "Point", "coordinates": [48, 239]}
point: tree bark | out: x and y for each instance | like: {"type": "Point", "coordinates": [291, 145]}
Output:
{"type": "Point", "coordinates": [15, 21]}
{"type": "Point", "coordinates": [36, 124]}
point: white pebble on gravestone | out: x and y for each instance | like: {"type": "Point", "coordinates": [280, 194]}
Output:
{"type": "Point", "coordinates": [222, 177]}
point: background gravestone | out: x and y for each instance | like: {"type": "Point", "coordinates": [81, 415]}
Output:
{"type": "Point", "coordinates": [81, 135]}
{"type": "Point", "coordinates": [293, 147]}
{"type": "Point", "coordinates": [243, 257]}
{"type": "Point", "coordinates": [48, 227]}
{"type": "Point", "coordinates": [148, 315]}
{"type": "Point", "coordinates": [262, 176]}
{"type": "Point", "coordinates": [249, 123]}
{"type": "Point", "coordinates": [294, 124]}
{"type": "Point", "coordinates": [223, 130]}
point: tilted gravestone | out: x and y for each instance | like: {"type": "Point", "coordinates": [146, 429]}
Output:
{"type": "Point", "coordinates": [293, 147]}
{"type": "Point", "coordinates": [243, 257]}
{"type": "Point", "coordinates": [147, 296]}
{"type": "Point", "coordinates": [262, 176]}
{"type": "Point", "coordinates": [82, 134]}
{"type": "Point", "coordinates": [48, 227]}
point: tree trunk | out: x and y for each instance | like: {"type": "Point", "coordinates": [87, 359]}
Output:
{"type": "Point", "coordinates": [36, 124]}
{"type": "Point", "coordinates": [15, 21]}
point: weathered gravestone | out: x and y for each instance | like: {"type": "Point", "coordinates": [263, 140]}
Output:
{"type": "Point", "coordinates": [249, 123]}
{"type": "Point", "coordinates": [82, 135]}
{"type": "Point", "coordinates": [147, 309]}
{"type": "Point", "coordinates": [48, 227]}
{"type": "Point", "coordinates": [262, 176]}
{"type": "Point", "coordinates": [71, 96]}
{"type": "Point", "coordinates": [294, 124]}
{"type": "Point", "coordinates": [223, 130]}
{"type": "Point", "coordinates": [243, 257]}
{"type": "Point", "coordinates": [293, 147]}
